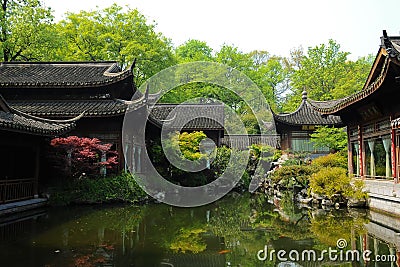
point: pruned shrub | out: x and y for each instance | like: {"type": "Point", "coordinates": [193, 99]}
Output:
{"type": "Point", "coordinates": [338, 159]}
{"type": "Point", "coordinates": [286, 175]}
{"type": "Point", "coordinates": [330, 181]}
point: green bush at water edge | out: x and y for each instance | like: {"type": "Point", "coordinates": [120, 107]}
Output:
{"type": "Point", "coordinates": [119, 188]}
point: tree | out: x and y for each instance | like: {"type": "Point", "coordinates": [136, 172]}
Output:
{"type": "Point", "coordinates": [81, 155]}
{"type": "Point", "coordinates": [26, 30]}
{"type": "Point", "coordinates": [271, 75]}
{"type": "Point", "coordinates": [193, 50]}
{"type": "Point", "coordinates": [326, 74]}
{"type": "Point", "coordinates": [333, 138]}
{"type": "Point", "coordinates": [112, 34]}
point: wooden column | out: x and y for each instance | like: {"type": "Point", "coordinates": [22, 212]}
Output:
{"type": "Point", "coordinates": [36, 174]}
{"type": "Point", "coordinates": [362, 152]}
{"type": "Point", "coordinates": [394, 156]}
{"type": "Point", "coordinates": [349, 153]}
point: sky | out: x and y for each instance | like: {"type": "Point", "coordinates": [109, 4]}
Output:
{"type": "Point", "coordinates": [274, 26]}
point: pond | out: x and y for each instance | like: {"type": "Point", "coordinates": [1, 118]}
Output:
{"type": "Point", "coordinates": [238, 230]}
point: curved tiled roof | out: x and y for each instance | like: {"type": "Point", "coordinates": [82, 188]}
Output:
{"type": "Point", "coordinates": [307, 115]}
{"type": "Point", "coordinates": [392, 47]}
{"type": "Point", "coordinates": [60, 74]}
{"type": "Point", "coordinates": [72, 108]}
{"type": "Point", "coordinates": [205, 116]}
{"type": "Point", "coordinates": [16, 121]}
{"type": "Point", "coordinates": [334, 106]}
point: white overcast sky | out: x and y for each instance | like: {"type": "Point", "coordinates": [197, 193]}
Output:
{"type": "Point", "coordinates": [275, 26]}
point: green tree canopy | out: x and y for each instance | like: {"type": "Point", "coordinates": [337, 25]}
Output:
{"type": "Point", "coordinates": [334, 138]}
{"type": "Point", "coordinates": [115, 34]}
{"type": "Point", "coordinates": [26, 30]}
{"type": "Point", "coordinates": [193, 50]}
{"type": "Point", "coordinates": [326, 73]}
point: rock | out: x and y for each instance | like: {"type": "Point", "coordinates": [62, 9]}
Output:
{"type": "Point", "coordinates": [326, 202]}
{"type": "Point", "coordinates": [356, 203]}
{"type": "Point", "coordinates": [316, 196]}
{"type": "Point", "coordinates": [305, 200]}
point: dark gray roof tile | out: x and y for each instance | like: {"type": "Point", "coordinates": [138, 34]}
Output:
{"type": "Point", "coordinates": [60, 74]}
{"type": "Point", "coordinates": [205, 116]}
{"type": "Point", "coordinates": [71, 108]}
{"type": "Point", "coordinates": [306, 114]}
{"type": "Point", "coordinates": [17, 121]}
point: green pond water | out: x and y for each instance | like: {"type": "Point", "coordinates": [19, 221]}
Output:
{"type": "Point", "coordinates": [238, 230]}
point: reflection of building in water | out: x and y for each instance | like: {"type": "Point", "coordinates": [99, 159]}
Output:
{"type": "Point", "coordinates": [203, 259]}
{"type": "Point", "coordinates": [383, 236]}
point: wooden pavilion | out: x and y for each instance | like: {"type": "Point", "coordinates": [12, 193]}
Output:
{"type": "Point", "coordinates": [372, 116]}
{"type": "Point", "coordinates": [294, 129]}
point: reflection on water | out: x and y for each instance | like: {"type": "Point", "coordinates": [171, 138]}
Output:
{"type": "Point", "coordinates": [229, 232]}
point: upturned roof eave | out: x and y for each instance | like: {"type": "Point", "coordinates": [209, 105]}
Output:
{"type": "Point", "coordinates": [350, 100]}
{"type": "Point", "coordinates": [296, 119]}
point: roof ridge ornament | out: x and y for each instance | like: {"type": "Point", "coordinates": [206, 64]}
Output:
{"type": "Point", "coordinates": [304, 95]}
{"type": "Point", "coordinates": [389, 46]}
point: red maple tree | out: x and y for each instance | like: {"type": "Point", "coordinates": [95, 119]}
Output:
{"type": "Point", "coordinates": [82, 156]}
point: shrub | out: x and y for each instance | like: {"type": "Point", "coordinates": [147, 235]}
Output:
{"type": "Point", "coordinates": [264, 153]}
{"type": "Point", "coordinates": [184, 150]}
{"type": "Point", "coordinates": [286, 174]}
{"type": "Point", "coordinates": [296, 158]}
{"type": "Point", "coordinates": [187, 143]}
{"type": "Point", "coordinates": [330, 181]}
{"type": "Point", "coordinates": [338, 159]}
{"type": "Point", "coordinates": [357, 190]}
{"type": "Point", "coordinates": [119, 188]}
{"type": "Point", "coordinates": [221, 160]}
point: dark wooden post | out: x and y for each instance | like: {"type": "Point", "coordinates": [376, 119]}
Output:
{"type": "Point", "coordinates": [394, 155]}
{"type": "Point", "coordinates": [349, 153]}
{"type": "Point", "coordinates": [36, 174]}
{"type": "Point", "coordinates": [362, 152]}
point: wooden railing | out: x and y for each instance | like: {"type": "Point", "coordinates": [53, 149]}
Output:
{"type": "Point", "coordinates": [239, 141]}
{"type": "Point", "coordinates": [14, 190]}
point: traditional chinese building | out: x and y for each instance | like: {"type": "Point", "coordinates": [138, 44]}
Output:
{"type": "Point", "coordinates": [207, 118]}
{"type": "Point", "coordinates": [22, 137]}
{"type": "Point", "coordinates": [100, 90]}
{"type": "Point", "coordinates": [372, 117]}
{"type": "Point", "coordinates": [294, 129]}
{"type": "Point", "coordinates": [62, 90]}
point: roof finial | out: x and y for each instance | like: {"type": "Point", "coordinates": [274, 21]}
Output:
{"type": "Point", "coordinates": [304, 95]}
{"type": "Point", "coordinates": [147, 91]}
{"type": "Point", "coordinates": [133, 65]}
